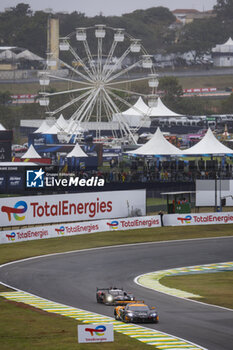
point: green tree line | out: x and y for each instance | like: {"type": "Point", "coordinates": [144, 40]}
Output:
{"type": "Point", "coordinates": [22, 27]}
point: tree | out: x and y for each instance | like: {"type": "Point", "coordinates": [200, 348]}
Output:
{"type": "Point", "coordinates": [224, 9]}
{"type": "Point", "coordinates": [194, 106]}
{"type": "Point", "coordinates": [170, 86]}
{"type": "Point", "coordinates": [5, 98]}
{"type": "Point", "coordinates": [200, 36]}
{"type": "Point", "coordinates": [22, 10]}
{"type": "Point", "coordinates": [172, 91]}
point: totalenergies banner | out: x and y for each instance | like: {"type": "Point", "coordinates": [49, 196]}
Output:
{"type": "Point", "coordinates": [78, 228]}
{"type": "Point", "coordinates": [46, 209]}
{"type": "Point", "coordinates": [198, 219]}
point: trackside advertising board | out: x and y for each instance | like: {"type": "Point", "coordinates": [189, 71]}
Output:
{"type": "Point", "coordinates": [47, 209]}
{"type": "Point", "coordinates": [95, 333]}
{"type": "Point", "coordinates": [78, 228]}
{"type": "Point", "coordinates": [198, 219]}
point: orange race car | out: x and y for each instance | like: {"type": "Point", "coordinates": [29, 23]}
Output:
{"type": "Point", "coordinates": [136, 311]}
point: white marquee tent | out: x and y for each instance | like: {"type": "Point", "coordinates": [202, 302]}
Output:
{"type": "Point", "coordinates": [28, 55]}
{"type": "Point", "coordinates": [135, 116]}
{"type": "Point", "coordinates": [62, 122]}
{"type": "Point", "coordinates": [225, 47]}
{"type": "Point", "coordinates": [60, 125]}
{"type": "Point", "coordinates": [138, 109]}
{"type": "Point", "coordinates": [43, 128]}
{"type": "Point", "coordinates": [160, 110]}
{"type": "Point", "coordinates": [31, 153]}
{"type": "Point", "coordinates": [2, 127]}
{"type": "Point", "coordinates": [77, 152]}
{"type": "Point", "coordinates": [53, 130]}
{"type": "Point", "coordinates": [208, 145]}
{"type": "Point", "coordinates": [140, 113]}
{"type": "Point", "coordinates": [222, 54]}
{"type": "Point", "coordinates": [7, 55]}
{"type": "Point", "coordinates": [157, 145]}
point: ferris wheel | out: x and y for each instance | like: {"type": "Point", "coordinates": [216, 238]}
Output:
{"type": "Point", "coordinates": [104, 68]}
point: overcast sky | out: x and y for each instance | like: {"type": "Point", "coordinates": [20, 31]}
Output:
{"type": "Point", "coordinates": [109, 7]}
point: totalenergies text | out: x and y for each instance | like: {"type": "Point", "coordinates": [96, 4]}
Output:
{"type": "Point", "coordinates": [63, 208]}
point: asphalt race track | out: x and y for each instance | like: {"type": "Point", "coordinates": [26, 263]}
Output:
{"type": "Point", "coordinates": [72, 279]}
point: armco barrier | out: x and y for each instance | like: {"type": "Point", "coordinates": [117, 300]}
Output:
{"type": "Point", "coordinates": [78, 228]}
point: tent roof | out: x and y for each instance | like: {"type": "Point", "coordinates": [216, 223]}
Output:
{"type": "Point", "coordinates": [31, 153]}
{"type": "Point", "coordinates": [7, 54]}
{"type": "Point", "coordinates": [208, 145]}
{"type": "Point", "coordinates": [162, 111]}
{"type": "Point", "coordinates": [29, 56]}
{"type": "Point", "coordinates": [77, 152]}
{"type": "Point", "coordinates": [53, 130]}
{"type": "Point", "coordinates": [139, 108]}
{"type": "Point", "coordinates": [157, 145]}
{"type": "Point", "coordinates": [60, 125]}
{"type": "Point", "coordinates": [2, 127]}
{"type": "Point", "coordinates": [226, 47]}
{"type": "Point", "coordinates": [229, 42]}
{"type": "Point", "coordinates": [62, 122]}
{"type": "Point", "coordinates": [43, 127]}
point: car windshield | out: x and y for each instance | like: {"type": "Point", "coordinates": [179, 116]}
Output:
{"type": "Point", "coordinates": [137, 308]}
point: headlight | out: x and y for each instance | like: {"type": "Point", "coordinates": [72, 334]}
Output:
{"type": "Point", "coordinates": [130, 314]}
{"type": "Point", "coordinates": [131, 298]}
{"type": "Point", "coordinates": [109, 298]}
{"type": "Point", "coordinates": [154, 314]}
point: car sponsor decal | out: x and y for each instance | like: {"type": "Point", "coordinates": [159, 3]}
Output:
{"type": "Point", "coordinates": [148, 336]}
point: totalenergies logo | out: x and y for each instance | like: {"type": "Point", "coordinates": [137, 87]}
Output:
{"type": "Point", "coordinates": [113, 224]}
{"type": "Point", "coordinates": [99, 330]}
{"type": "Point", "coordinates": [19, 208]}
{"type": "Point", "coordinates": [186, 220]}
{"type": "Point", "coordinates": [60, 230]}
{"type": "Point", "coordinates": [11, 237]}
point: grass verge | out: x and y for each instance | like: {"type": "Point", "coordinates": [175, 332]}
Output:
{"type": "Point", "coordinates": [214, 288]}
{"type": "Point", "coordinates": [15, 251]}
{"type": "Point", "coordinates": [25, 328]}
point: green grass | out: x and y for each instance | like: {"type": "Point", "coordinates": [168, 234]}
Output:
{"type": "Point", "coordinates": [25, 328]}
{"type": "Point", "coordinates": [218, 81]}
{"type": "Point", "coordinates": [214, 288]}
{"type": "Point", "coordinates": [16, 251]}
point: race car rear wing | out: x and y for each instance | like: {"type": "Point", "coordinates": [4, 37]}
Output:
{"type": "Point", "coordinates": [110, 288]}
{"type": "Point", "coordinates": [125, 302]}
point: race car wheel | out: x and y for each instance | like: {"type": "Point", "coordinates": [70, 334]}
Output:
{"type": "Point", "coordinates": [98, 299]}
{"type": "Point", "coordinates": [126, 320]}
